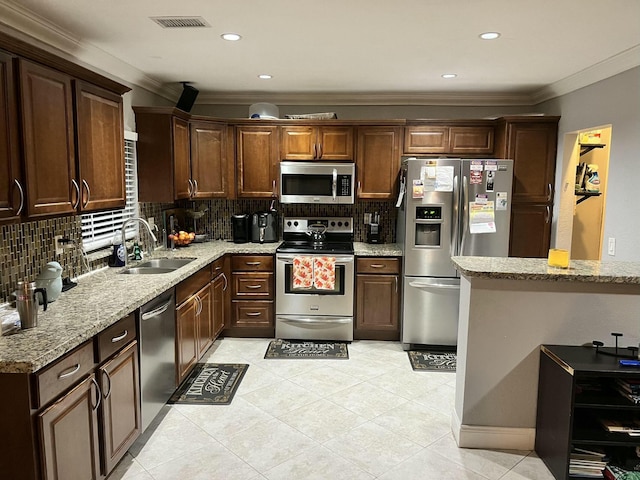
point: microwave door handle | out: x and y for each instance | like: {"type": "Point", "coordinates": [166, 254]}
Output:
{"type": "Point", "coordinates": [334, 185]}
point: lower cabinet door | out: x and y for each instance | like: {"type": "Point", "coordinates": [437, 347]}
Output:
{"type": "Point", "coordinates": [121, 420]}
{"type": "Point", "coordinates": [186, 337]}
{"type": "Point", "coordinates": [69, 434]}
{"type": "Point", "coordinates": [530, 230]}
{"type": "Point", "coordinates": [377, 302]}
{"type": "Point", "coordinates": [205, 321]}
{"type": "Point", "coordinates": [218, 288]}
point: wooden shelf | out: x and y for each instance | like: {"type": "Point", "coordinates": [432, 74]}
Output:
{"type": "Point", "coordinates": [587, 147]}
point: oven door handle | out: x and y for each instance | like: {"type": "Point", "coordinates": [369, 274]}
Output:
{"type": "Point", "coordinates": [334, 184]}
{"type": "Point", "coordinates": [339, 260]}
{"type": "Point", "coordinates": [319, 319]}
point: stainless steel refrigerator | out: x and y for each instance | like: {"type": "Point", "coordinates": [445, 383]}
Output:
{"type": "Point", "coordinates": [447, 207]}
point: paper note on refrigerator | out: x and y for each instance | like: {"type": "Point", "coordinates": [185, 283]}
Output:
{"type": "Point", "coordinates": [501, 200]}
{"type": "Point", "coordinates": [482, 218]}
{"type": "Point", "coordinates": [444, 179]}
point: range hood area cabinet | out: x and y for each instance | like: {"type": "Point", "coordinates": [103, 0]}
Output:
{"type": "Point", "coordinates": [69, 130]}
{"type": "Point", "coordinates": [308, 142]}
{"type": "Point", "coordinates": [457, 137]}
{"type": "Point", "coordinates": [180, 156]}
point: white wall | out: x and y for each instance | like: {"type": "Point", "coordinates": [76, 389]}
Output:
{"type": "Point", "coordinates": [616, 102]}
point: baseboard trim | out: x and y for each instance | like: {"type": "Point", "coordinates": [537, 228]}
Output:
{"type": "Point", "coordinates": [493, 438]}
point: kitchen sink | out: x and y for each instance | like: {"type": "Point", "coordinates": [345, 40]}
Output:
{"type": "Point", "coordinates": [157, 265]}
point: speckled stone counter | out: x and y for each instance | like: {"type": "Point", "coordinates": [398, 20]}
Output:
{"type": "Point", "coordinates": [537, 269]}
{"type": "Point", "coordinates": [511, 306]}
{"type": "Point", "coordinates": [100, 300]}
{"type": "Point", "coordinates": [377, 249]}
{"type": "Point", "coordinates": [106, 296]}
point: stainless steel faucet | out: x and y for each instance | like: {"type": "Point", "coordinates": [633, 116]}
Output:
{"type": "Point", "coordinates": [143, 222]}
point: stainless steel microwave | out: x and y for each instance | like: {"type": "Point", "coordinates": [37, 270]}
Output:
{"type": "Point", "coordinates": [317, 182]}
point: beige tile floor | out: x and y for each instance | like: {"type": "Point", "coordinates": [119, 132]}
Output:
{"type": "Point", "coordinates": [368, 417]}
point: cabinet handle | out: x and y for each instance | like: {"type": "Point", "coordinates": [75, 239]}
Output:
{"type": "Point", "coordinates": [190, 187]}
{"type": "Point", "coordinates": [254, 286]}
{"type": "Point", "coordinates": [550, 190]}
{"type": "Point", "coordinates": [376, 265]}
{"type": "Point", "coordinates": [98, 394]}
{"type": "Point", "coordinates": [315, 150]}
{"type": "Point", "coordinates": [86, 185]}
{"type": "Point", "coordinates": [253, 264]}
{"type": "Point", "coordinates": [319, 150]}
{"type": "Point", "coordinates": [21, 196]}
{"type": "Point", "coordinates": [253, 314]}
{"type": "Point", "coordinates": [198, 305]}
{"type": "Point", "coordinates": [396, 279]}
{"type": "Point", "coordinates": [359, 189]}
{"type": "Point", "coordinates": [108, 392]}
{"type": "Point", "coordinates": [218, 267]}
{"type": "Point", "coordinates": [547, 215]}
{"type": "Point", "coordinates": [226, 283]}
{"type": "Point", "coordinates": [119, 337]}
{"type": "Point", "coordinates": [195, 187]}
{"type": "Point", "coordinates": [77, 188]}
{"type": "Point", "coordinates": [69, 371]}
{"type": "Point", "coordinates": [273, 188]}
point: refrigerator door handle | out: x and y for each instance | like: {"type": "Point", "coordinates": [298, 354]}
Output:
{"type": "Point", "coordinates": [465, 213]}
{"type": "Point", "coordinates": [456, 217]}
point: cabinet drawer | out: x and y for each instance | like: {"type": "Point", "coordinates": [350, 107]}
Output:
{"type": "Point", "coordinates": [217, 267]}
{"type": "Point", "coordinates": [192, 284]}
{"type": "Point", "coordinates": [55, 379]}
{"type": "Point", "coordinates": [252, 284]}
{"type": "Point", "coordinates": [378, 265]}
{"type": "Point", "coordinates": [252, 313]}
{"type": "Point", "coordinates": [252, 263]}
{"type": "Point", "coordinates": [113, 338]}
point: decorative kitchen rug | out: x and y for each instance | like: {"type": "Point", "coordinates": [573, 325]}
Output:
{"type": "Point", "coordinates": [307, 349]}
{"type": "Point", "coordinates": [429, 361]}
{"type": "Point", "coordinates": [210, 384]}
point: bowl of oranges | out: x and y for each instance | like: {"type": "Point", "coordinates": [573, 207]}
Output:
{"type": "Point", "coordinates": [182, 238]}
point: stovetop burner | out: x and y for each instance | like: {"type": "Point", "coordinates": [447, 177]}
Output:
{"type": "Point", "coordinates": [337, 232]}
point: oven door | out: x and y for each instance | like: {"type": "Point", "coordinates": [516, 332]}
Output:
{"type": "Point", "coordinates": [337, 301]}
{"type": "Point", "coordinates": [316, 182]}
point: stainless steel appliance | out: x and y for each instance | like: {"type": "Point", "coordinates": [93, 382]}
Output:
{"type": "Point", "coordinates": [241, 227]}
{"type": "Point", "coordinates": [449, 207]}
{"type": "Point", "coordinates": [264, 227]}
{"type": "Point", "coordinates": [317, 182]}
{"type": "Point", "coordinates": [317, 310]}
{"type": "Point", "coordinates": [27, 303]}
{"type": "Point", "coordinates": [157, 354]}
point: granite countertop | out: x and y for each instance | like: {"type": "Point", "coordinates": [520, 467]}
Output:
{"type": "Point", "coordinates": [377, 249]}
{"type": "Point", "coordinates": [510, 268]}
{"type": "Point", "coordinates": [104, 297]}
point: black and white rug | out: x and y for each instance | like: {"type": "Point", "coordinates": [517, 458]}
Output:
{"type": "Point", "coordinates": [307, 349]}
{"type": "Point", "coordinates": [431, 361]}
{"type": "Point", "coordinates": [210, 384]}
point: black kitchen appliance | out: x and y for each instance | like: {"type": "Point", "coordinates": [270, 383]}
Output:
{"type": "Point", "coordinates": [373, 229]}
{"type": "Point", "coordinates": [241, 226]}
{"type": "Point", "coordinates": [264, 227]}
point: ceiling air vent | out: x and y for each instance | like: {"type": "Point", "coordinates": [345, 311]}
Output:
{"type": "Point", "coordinates": [180, 22]}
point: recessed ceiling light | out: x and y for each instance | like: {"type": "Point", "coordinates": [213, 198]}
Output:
{"type": "Point", "coordinates": [232, 37]}
{"type": "Point", "coordinates": [489, 35]}
{"type": "Point", "coordinates": [449, 75]}
{"type": "Point", "coordinates": [265, 76]}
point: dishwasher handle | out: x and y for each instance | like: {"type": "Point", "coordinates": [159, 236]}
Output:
{"type": "Point", "coordinates": [156, 311]}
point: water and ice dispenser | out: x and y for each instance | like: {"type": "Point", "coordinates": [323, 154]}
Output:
{"type": "Point", "coordinates": [428, 226]}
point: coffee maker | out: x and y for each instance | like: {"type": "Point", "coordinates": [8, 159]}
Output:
{"type": "Point", "coordinates": [241, 226]}
{"type": "Point", "coordinates": [263, 227]}
{"type": "Point", "coordinates": [373, 229]}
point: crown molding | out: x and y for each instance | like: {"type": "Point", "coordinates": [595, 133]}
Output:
{"type": "Point", "coordinates": [377, 98]}
{"type": "Point", "coordinates": [600, 71]}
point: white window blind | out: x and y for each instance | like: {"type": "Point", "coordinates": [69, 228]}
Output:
{"type": "Point", "coordinates": [98, 229]}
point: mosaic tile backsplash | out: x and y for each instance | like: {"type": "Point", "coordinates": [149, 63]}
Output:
{"type": "Point", "coordinates": [25, 248]}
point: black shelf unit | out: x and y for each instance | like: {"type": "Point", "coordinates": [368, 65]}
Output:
{"type": "Point", "coordinates": [584, 195]}
{"type": "Point", "coordinates": [587, 147]}
{"type": "Point", "coordinates": [577, 388]}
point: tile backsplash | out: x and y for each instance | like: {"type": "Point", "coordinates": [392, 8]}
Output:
{"type": "Point", "coordinates": [25, 248]}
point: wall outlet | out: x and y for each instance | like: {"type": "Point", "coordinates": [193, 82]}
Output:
{"type": "Point", "coordinates": [58, 246]}
{"type": "Point", "coordinates": [367, 218]}
{"type": "Point", "coordinates": [151, 221]}
{"type": "Point", "coordinates": [611, 250]}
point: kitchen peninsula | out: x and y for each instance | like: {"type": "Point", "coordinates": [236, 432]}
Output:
{"type": "Point", "coordinates": [508, 308]}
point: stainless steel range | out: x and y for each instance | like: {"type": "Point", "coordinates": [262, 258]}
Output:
{"type": "Point", "coordinates": [314, 279]}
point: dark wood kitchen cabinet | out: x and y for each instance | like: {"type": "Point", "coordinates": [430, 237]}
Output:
{"type": "Point", "coordinates": [377, 299]}
{"type": "Point", "coordinates": [211, 160]}
{"type": "Point", "coordinates": [378, 162]}
{"type": "Point", "coordinates": [531, 143]}
{"type": "Point", "coordinates": [316, 142]}
{"type": "Point", "coordinates": [252, 293]}
{"type": "Point", "coordinates": [455, 137]}
{"type": "Point", "coordinates": [100, 140]}
{"type": "Point", "coordinates": [11, 182]}
{"type": "Point", "coordinates": [257, 161]}
{"type": "Point", "coordinates": [46, 103]}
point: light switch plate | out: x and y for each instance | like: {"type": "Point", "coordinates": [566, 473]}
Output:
{"type": "Point", "coordinates": [58, 246]}
{"type": "Point", "coordinates": [612, 246]}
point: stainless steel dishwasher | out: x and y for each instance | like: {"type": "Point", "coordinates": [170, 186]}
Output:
{"type": "Point", "coordinates": [157, 329]}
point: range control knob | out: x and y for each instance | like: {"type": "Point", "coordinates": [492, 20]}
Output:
{"type": "Point", "coordinates": [333, 224]}
{"type": "Point", "coordinates": [295, 224]}
{"type": "Point", "coordinates": [289, 223]}
{"type": "Point", "coordinates": [346, 224]}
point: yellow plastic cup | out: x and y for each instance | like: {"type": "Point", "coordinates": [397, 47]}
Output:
{"type": "Point", "coordinates": [558, 258]}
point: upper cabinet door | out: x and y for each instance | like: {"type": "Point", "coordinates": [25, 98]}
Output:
{"type": "Point", "coordinates": [378, 162]}
{"type": "Point", "coordinates": [335, 143]}
{"type": "Point", "coordinates": [183, 185]}
{"type": "Point", "coordinates": [257, 161]}
{"type": "Point", "coordinates": [100, 134]}
{"type": "Point", "coordinates": [426, 139]}
{"type": "Point", "coordinates": [298, 143]}
{"type": "Point", "coordinates": [11, 186]}
{"type": "Point", "coordinates": [47, 140]}
{"type": "Point", "coordinates": [305, 142]}
{"type": "Point", "coordinates": [209, 163]}
{"type": "Point", "coordinates": [472, 140]}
